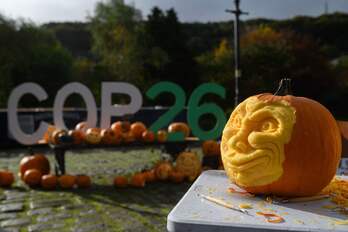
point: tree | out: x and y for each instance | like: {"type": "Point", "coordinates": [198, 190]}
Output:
{"type": "Point", "coordinates": [171, 59]}
{"type": "Point", "coordinates": [31, 54]}
{"type": "Point", "coordinates": [115, 30]}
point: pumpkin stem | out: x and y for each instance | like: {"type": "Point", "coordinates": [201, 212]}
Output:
{"type": "Point", "coordinates": [284, 87]}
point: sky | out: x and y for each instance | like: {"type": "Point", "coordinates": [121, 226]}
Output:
{"type": "Point", "coordinates": [43, 11]}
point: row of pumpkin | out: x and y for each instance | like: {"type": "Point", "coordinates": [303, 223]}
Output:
{"type": "Point", "coordinates": [119, 132]}
{"type": "Point", "coordinates": [34, 171]}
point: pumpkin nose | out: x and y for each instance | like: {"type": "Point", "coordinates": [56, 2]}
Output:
{"type": "Point", "coordinates": [241, 147]}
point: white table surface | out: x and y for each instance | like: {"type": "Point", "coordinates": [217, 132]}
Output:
{"type": "Point", "coordinates": [192, 213]}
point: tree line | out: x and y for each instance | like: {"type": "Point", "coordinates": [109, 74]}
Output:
{"type": "Point", "coordinates": [119, 44]}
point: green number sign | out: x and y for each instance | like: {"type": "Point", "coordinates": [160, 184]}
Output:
{"type": "Point", "coordinates": [195, 111]}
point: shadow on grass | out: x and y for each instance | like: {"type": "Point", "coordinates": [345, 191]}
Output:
{"type": "Point", "coordinates": [148, 200]}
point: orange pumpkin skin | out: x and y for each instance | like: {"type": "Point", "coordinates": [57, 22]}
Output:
{"type": "Point", "coordinates": [108, 136]}
{"type": "Point", "coordinates": [83, 181]}
{"type": "Point", "coordinates": [82, 126]}
{"type": "Point", "coordinates": [56, 136]}
{"type": "Point", "coordinates": [38, 161]}
{"type": "Point", "coordinates": [120, 181]}
{"type": "Point", "coordinates": [128, 137]}
{"type": "Point", "coordinates": [77, 135]}
{"type": "Point", "coordinates": [150, 175]}
{"type": "Point", "coordinates": [163, 170]}
{"type": "Point", "coordinates": [93, 136]}
{"type": "Point", "coordinates": [138, 180]}
{"type": "Point", "coordinates": [137, 129]}
{"type": "Point", "coordinates": [311, 156]}
{"type": "Point", "coordinates": [49, 182]}
{"type": "Point", "coordinates": [148, 136]}
{"type": "Point", "coordinates": [179, 127]}
{"type": "Point", "coordinates": [176, 176]}
{"type": "Point", "coordinates": [120, 127]}
{"type": "Point", "coordinates": [67, 181]}
{"type": "Point", "coordinates": [162, 136]}
{"type": "Point", "coordinates": [32, 177]}
{"type": "Point", "coordinates": [6, 179]}
{"type": "Point", "coordinates": [211, 148]}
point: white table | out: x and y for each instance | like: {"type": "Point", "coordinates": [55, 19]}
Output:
{"type": "Point", "coordinates": [193, 213]}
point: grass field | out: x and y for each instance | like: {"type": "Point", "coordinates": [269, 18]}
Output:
{"type": "Point", "coordinates": [101, 208]}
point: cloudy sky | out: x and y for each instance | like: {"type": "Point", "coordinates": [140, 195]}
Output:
{"type": "Point", "coordinates": [41, 11]}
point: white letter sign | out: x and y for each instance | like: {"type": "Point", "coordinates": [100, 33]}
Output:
{"type": "Point", "coordinates": [12, 117]}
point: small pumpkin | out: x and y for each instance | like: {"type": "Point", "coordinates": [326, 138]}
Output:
{"type": "Point", "coordinates": [211, 148]}
{"type": "Point", "coordinates": [49, 181]}
{"type": "Point", "coordinates": [283, 145]}
{"type": "Point", "coordinates": [161, 136]}
{"type": "Point", "coordinates": [128, 137]}
{"type": "Point", "coordinates": [108, 136]}
{"type": "Point", "coordinates": [82, 126]}
{"type": "Point", "coordinates": [176, 176]}
{"type": "Point", "coordinates": [6, 179]}
{"type": "Point", "coordinates": [32, 177]}
{"type": "Point", "coordinates": [120, 127]}
{"type": "Point", "coordinates": [148, 136]}
{"type": "Point", "coordinates": [77, 136]}
{"type": "Point", "coordinates": [179, 127]}
{"type": "Point", "coordinates": [57, 135]}
{"type": "Point", "coordinates": [137, 129]}
{"type": "Point", "coordinates": [93, 136]}
{"type": "Point", "coordinates": [138, 180]}
{"type": "Point", "coordinates": [36, 161]}
{"type": "Point", "coordinates": [189, 164]}
{"type": "Point", "coordinates": [150, 175]}
{"type": "Point", "coordinates": [120, 181]}
{"type": "Point", "coordinates": [67, 181]}
{"type": "Point", "coordinates": [163, 170]}
{"type": "Point", "coordinates": [83, 181]}
{"type": "Point", "coordinates": [48, 134]}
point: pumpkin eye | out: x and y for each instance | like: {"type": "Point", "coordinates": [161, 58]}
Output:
{"type": "Point", "coordinates": [269, 125]}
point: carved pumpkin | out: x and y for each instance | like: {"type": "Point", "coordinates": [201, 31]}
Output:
{"type": "Point", "coordinates": [176, 176]}
{"type": "Point", "coordinates": [282, 145]}
{"type": "Point", "coordinates": [163, 170]}
{"type": "Point", "coordinates": [120, 181]}
{"type": "Point", "coordinates": [77, 136]}
{"type": "Point", "coordinates": [137, 129]}
{"type": "Point", "coordinates": [49, 181]}
{"type": "Point", "coordinates": [189, 164]}
{"type": "Point", "coordinates": [56, 136]}
{"type": "Point", "coordinates": [93, 136]}
{"type": "Point", "coordinates": [138, 180]}
{"type": "Point", "coordinates": [6, 179]}
{"type": "Point", "coordinates": [32, 177]}
{"type": "Point", "coordinates": [162, 136]}
{"type": "Point", "coordinates": [82, 126]}
{"type": "Point", "coordinates": [211, 148]}
{"type": "Point", "coordinates": [38, 162]}
{"type": "Point", "coordinates": [83, 181]}
{"type": "Point", "coordinates": [148, 136]}
{"type": "Point", "coordinates": [67, 181]}
{"type": "Point", "coordinates": [179, 127]}
{"type": "Point", "coordinates": [109, 136]}
{"type": "Point", "coordinates": [120, 127]}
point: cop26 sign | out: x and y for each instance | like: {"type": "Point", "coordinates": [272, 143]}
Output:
{"type": "Point", "coordinates": [195, 108]}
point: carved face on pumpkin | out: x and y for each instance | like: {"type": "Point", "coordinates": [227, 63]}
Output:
{"type": "Point", "coordinates": [253, 141]}
{"type": "Point", "coordinates": [93, 136]}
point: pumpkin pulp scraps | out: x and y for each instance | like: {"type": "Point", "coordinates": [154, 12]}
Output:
{"type": "Point", "coordinates": [271, 217]}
